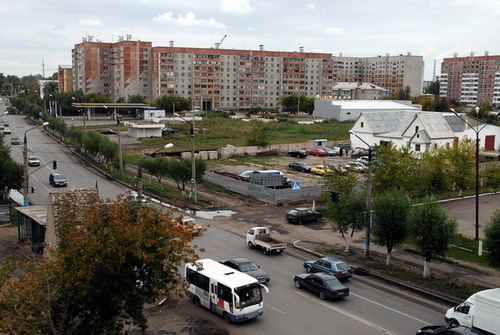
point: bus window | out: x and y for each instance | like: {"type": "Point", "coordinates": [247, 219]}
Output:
{"type": "Point", "coordinates": [249, 295]}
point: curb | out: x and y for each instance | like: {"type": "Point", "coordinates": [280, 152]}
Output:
{"type": "Point", "coordinates": [363, 272]}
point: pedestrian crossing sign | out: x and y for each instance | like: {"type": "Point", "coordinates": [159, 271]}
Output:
{"type": "Point", "coordinates": [295, 186]}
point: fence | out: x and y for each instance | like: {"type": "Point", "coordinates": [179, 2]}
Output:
{"type": "Point", "coordinates": [264, 194]}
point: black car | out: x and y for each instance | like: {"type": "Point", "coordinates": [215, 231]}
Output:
{"type": "Point", "coordinates": [361, 153]}
{"type": "Point", "coordinates": [15, 141]}
{"type": "Point", "coordinates": [330, 151]}
{"type": "Point", "coordinates": [447, 330]}
{"type": "Point", "coordinates": [323, 284]}
{"type": "Point", "coordinates": [298, 153]}
{"type": "Point", "coordinates": [299, 166]}
{"type": "Point", "coordinates": [109, 132]}
{"type": "Point", "coordinates": [247, 266]}
{"type": "Point", "coordinates": [167, 130]}
{"type": "Point", "coordinates": [303, 215]}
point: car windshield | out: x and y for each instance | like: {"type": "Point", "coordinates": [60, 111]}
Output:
{"type": "Point", "coordinates": [343, 266]}
{"type": "Point", "coordinates": [332, 283]}
{"type": "Point", "coordinates": [249, 295]}
{"type": "Point", "coordinates": [250, 266]}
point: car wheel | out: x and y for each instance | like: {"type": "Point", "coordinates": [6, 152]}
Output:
{"type": "Point", "coordinates": [322, 295]}
{"type": "Point", "coordinates": [297, 283]}
{"type": "Point", "coordinates": [317, 219]}
{"type": "Point", "coordinates": [308, 269]}
{"type": "Point", "coordinates": [250, 245]}
{"type": "Point", "coordinates": [196, 301]}
{"type": "Point", "coordinates": [264, 251]}
{"type": "Point", "coordinates": [226, 317]}
{"type": "Point", "coordinates": [453, 322]}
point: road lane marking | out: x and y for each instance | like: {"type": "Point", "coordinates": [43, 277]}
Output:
{"type": "Point", "coordinates": [391, 309]}
{"type": "Point", "coordinates": [267, 305]}
{"type": "Point", "coordinates": [352, 316]}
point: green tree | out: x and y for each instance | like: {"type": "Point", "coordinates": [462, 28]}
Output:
{"type": "Point", "coordinates": [11, 172]}
{"type": "Point", "coordinates": [433, 88]}
{"type": "Point", "coordinates": [136, 99]}
{"type": "Point", "coordinates": [492, 240]}
{"type": "Point", "coordinates": [404, 93]}
{"type": "Point", "coordinates": [109, 262]}
{"type": "Point", "coordinates": [390, 226]}
{"type": "Point", "coordinates": [173, 102]}
{"type": "Point", "coordinates": [294, 103]}
{"type": "Point", "coordinates": [180, 170]}
{"type": "Point", "coordinates": [433, 230]}
{"type": "Point", "coordinates": [259, 137]}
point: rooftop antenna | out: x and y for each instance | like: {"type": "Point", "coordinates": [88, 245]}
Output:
{"type": "Point", "coordinates": [43, 69]}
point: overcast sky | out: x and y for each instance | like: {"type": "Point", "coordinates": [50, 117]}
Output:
{"type": "Point", "coordinates": [32, 30]}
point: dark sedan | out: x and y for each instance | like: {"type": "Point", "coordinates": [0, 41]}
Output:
{"type": "Point", "coordinates": [447, 330]}
{"type": "Point", "coordinates": [109, 132]}
{"type": "Point", "coordinates": [303, 215]}
{"type": "Point", "coordinates": [333, 266]}
{"type": "Point", "coordinates": [298, 153]}
{"type": "Point", "coordinates": [247, 266]}
{"type": "Point", "coordinates": [323, 284]}
{"type": "Point", "coordinates": [331, 152]}
{"type": "Point", "coordinates": [317, 152]}
{"type": "Point", "coordinates": [361, 153]}
{"type": "Point", "coordinates": [299, 166]}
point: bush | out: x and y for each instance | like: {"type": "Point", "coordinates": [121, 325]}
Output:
{"type": "Point", "coordinates": [492, 241]}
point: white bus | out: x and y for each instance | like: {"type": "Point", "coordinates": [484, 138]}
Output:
{"type": "Point", "coordinates": [233, 295]}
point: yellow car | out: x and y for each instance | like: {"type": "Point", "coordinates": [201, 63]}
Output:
{"type": "Point", "coordinates": [321, 170]}
{"type": "Point", "coordinates": [188, 223]}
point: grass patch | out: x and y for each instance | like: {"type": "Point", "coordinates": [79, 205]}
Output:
{"type": "Point", "coordinates": [214, 187]}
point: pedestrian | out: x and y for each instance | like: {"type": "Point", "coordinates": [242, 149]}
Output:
{"type": "Point", "coordinates": [341, 152]}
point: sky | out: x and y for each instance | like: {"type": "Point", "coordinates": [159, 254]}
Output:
{"type": "Point", "coordinates": [36, 31]}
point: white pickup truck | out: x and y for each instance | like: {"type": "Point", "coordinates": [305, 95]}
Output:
{"type": "Point", "coordinates": [260, 237]}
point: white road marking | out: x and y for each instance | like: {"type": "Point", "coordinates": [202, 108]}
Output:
{"type": "Point", "coordinates": [267, 305]}
{"type": "Point", "coordinates": [391, 309]}
{"type": "Point", "coordinates": [352, 316]}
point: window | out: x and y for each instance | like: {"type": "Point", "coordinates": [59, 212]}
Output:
{"type": "Point", "coordinates": [362, 124]}
{"type": "Point", "coordinates": [417, 147]}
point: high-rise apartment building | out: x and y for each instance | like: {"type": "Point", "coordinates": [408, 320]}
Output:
{"type": "Point", "coordinates": [471, 80]}
{"type": "Point", "coordinates": [390, 72]}
{"type": "Point", "coordinates": [216, 78]}
{"type": "Point", "coordinates": [65, 78]}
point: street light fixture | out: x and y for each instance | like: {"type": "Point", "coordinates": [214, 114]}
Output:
{"type": "Point", "coordinates": [476, 130]}
{"type": "Point", "coordinates": [7, 112]}
{"type": "Point", "coordinates": [368, 197]}
{"type": "Point", "coordinates": [139, 173]}
{"type": "Point", "coordinates": [193, 163]}
{"type": "Point", "coordinates": [25, 159]}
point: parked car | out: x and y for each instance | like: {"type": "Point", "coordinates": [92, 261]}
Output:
{"type": "Point", "coordinates": [33, 160]}
{"type": "Point", "coordinates": [323, 284]}
{"type": "Point", "coordinates": [360, 153]}
{"type": "Point", "coordinates": [303, 215]}
{"type": "Point", "coordinates": [317, 152]}
{"type": "Point", "coordinates": [15, 141]}
{"type": "Point", "coordinates": [298, 153]}
{"type": "Point", "coordinates": [109, 132]}
{"type": "Point", "coordinates": [299, 166]}
{"type": "Point", "coordinates": [447, 330]}
{"type": "Point", "coordinates": [250, 268]}
{"type": "Point", "coordinates": [362, 160]}
{"type": "Point", "coordinates": [356, 166]}
{"type": "Point", "coordinates": [331, 152]}
{"type": "Point", "coordinates": [333, 266]}
{"type": "Point", "coordinates": [167, 130]}
{"type": "Point", "coordinates": [57, 179]}
{"type": "Point", "coordinates": [7, 131]}
{"type": "Point", "coordinates": [5, 123]}
{"type": "Point", "coordinates": [322, 170]}
{"type": "Point", "coordinates": [338, 168]}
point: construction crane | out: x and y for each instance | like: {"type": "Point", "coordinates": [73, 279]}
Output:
{"type": "Point", "coordinates": [217, 45]}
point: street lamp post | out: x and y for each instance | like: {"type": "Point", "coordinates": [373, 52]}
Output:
{"type": "Point", "coordinates": [25, 160]}
{"type": "Point", "coordinates": [476, 130]}
{"type": "Point", "coordinates": [193, 163]}
{"type": "Point", "coordinates": [139, 174]}
{"type": "Point", "coordinates": [7, 112]}
{"type": "Point", "coordinates": [368, 198]}
{"type": "Point", "coordinates": [120, 154]}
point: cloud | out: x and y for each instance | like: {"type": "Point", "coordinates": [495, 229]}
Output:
{"type": "Point", "coordinates": [235, 6]}
{"type": "Point", "coordinates": [311, 6]}
{"type": "Point", "coordinates": [90, 22]}
{"type": "Point", "coordinates": [188, 20]}
{"type": "Point", "coordinates": [334, 31]}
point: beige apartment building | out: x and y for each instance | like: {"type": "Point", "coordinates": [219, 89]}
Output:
{"type": "Point", "coordinates": [216, 78]}
{"type": "Point", "coordinates": [65, 78]}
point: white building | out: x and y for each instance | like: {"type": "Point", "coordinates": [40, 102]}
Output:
{"type": "Point", "coordinates": [422, 131]}
{"type": "Point", "coordinates": [350, 110]}
{"type": "Point", "coordinates": [141, 130]}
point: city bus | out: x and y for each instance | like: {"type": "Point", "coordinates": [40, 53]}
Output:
{"type": "Point", "coordinates": [233, 295]}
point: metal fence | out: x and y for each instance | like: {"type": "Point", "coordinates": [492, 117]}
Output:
{"type": "Point", "coordinates": [264, 194]}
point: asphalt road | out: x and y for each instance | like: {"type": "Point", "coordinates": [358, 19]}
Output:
{"type": "Point", "coordinates": [69, 165]}
{"type": "Point", "coordinates": [369, 309]}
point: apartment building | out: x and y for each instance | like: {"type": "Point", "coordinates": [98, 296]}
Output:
{"type": "Point", "coordinates": [390, 72]}
{"type": "Point", "coordinates": [359, 91]}
{"type": "Point", "coordinates": [114, 69]}
{"type": "Point", "coordinates": [471, 80]}
{"type": "Point", "coordinates": [216, 78]}
{"type": "Point", "coordinates": [65, 78]}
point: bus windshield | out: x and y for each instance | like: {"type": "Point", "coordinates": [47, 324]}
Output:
{"type": "Point", "coordinates": [249, 295]}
